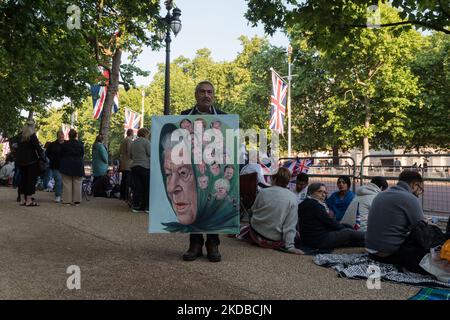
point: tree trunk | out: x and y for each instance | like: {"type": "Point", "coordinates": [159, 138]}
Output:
{"type": "Point", "coordinates": [31, 111]}
{"type": "Point", "coordinates": [366, 145]}
{"type": "Point", "coordinates": [113, 87]}
{"type": "Point", "coordinates": [335, 156]}
{"type": "Point", "coordinates": [30, 115]}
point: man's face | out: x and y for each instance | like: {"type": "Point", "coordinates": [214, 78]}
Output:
{"type": "Point", "coordinates": [417, 189]}
{"type": "Point", "coordinates": [300, 185]}
{"type": "Point", "coordinates": [60, 137]}
{"type": "Point", "coordinates": [216, 125]}
{"type": "Point", "coordinates": [180, 182]}
{"type": "Point", "coordinates": [202, 167]}
{"type": "Point", "coordinates": [204, 95]}
{"type": "Point", "coordinates": [228, 174]}
{"type": "Point", "coordinates": [215, 169]}
{"type": "Point", "coordinates": [109, 174]}
{"type": "Point", "coordinates": [203, 182]}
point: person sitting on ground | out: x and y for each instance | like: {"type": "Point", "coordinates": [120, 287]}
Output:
{"type": "Point", "coordinates": [7, 172]}
{"type": "Point", "coordinates": [318, 229]}
{"type": "Point", "coordinates": [301, 187]}
{"type": "Point", "coordinates": [391, 217]}
{"type": "Point", "coordinates": [274, 219]}
{"type": "Point", "coordinates": [358, 210]}
{"type": "Point", "coordinates": [106, 187]}
{"type": "Point", "coordinates": [339, 201]}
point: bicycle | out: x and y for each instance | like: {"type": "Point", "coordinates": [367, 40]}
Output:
{"type": "Point", "coordinates": [86, 188]}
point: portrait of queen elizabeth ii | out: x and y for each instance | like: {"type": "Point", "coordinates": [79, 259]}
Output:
{"type": "Point", "coordinates": [190, 197]}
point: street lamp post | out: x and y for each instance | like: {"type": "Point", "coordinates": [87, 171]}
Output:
{"type": "Point", "coordinates": [173, 23]}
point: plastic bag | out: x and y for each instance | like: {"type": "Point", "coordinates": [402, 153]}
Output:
{"type": "Point", "coordinates": [433, 264]}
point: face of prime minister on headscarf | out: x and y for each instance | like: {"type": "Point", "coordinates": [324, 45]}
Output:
{"type": "Point", "coordinates": [181, 189]}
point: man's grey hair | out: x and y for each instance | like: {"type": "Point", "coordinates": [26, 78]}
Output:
{"type": "Point", "coordinates": [204, 82]}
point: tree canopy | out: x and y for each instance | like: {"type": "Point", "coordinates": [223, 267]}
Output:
{"type": "Point", "coordinates": [42, 59]}
{"type": "Point", "coordinates": [328, 21]}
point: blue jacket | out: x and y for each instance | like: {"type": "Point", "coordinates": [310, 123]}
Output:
{"type": "Point", "coordinates": [339, 206]}
{"type": "Point", "coordinates": [72, 153]}
{"type": "Point", "coordinates": [99, 159]}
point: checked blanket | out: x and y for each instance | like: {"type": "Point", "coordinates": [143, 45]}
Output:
{"type": "Point", "coordinates": [356, 266]}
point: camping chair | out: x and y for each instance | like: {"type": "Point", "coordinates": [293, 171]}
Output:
{"type": "Point", "coordinates": [247, 192]}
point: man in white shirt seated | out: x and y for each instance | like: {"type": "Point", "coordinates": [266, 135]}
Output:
{"type": "Point", "coordinates": [301, 187]}
{"type": "Point", "coordinates": [7, 173]}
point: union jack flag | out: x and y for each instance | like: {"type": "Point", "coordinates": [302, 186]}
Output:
{"type": "Point", "coordinates": [295, 167]}
{"type": "Point", "coordinates": [278, 103]}
{"type": "Point", "coordinates": [99, 95]}
{"type": "Point", "coordinates": [132, 120]}
{"type": "Point", "coordinates": [266, 169]}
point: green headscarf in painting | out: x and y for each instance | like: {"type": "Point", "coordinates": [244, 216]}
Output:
{"type": "Point", "coordinates": [213, 215]}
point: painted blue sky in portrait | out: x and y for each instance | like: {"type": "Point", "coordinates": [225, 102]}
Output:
{"type": "Point", "coordinates": [198, 197]}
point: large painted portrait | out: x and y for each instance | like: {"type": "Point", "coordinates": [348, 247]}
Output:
{"type": "Point", "coordinates": [194, 175]}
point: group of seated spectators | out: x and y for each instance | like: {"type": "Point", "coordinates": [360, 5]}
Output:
{"type": "Point", "coordinates": [375, 218]}
{"type": "Point", "coordinates": [7, 172]}
{"type": "Point", "coordinates": [106, 186]}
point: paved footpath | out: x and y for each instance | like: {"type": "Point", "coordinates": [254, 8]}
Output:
{"type": "Point", "coordinates": [118, 259]}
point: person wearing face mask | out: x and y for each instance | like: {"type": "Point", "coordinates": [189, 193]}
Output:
{"type": "Point", "coordinates": [318, 229]}
{"type": "Point", "coordinates": [392, 215]}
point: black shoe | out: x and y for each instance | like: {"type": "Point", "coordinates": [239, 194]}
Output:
{"type": "Point", "coordinates": [195, 250]}
{"type": "Point", "coordinates": [213, 253]}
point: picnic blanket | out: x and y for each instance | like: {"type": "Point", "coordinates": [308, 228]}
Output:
{"type": "Point", "coordinates": [431, 294]}
{"type": "Point", "coordinates": [356, 266]}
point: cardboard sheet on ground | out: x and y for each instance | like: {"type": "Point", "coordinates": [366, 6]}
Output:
{"type": "Point", "coordinates": [194, 176]}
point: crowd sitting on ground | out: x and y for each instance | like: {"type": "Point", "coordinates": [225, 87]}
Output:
{"type": "Point", "coordinates": [381, 220]}
{"type": "Point", "coordinates": [106, 186]}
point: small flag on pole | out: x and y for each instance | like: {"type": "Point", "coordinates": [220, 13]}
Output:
{"type": "Point", "coordinates": [132, 120]}
{"type": "Point", "coordinates": [278, 103]}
